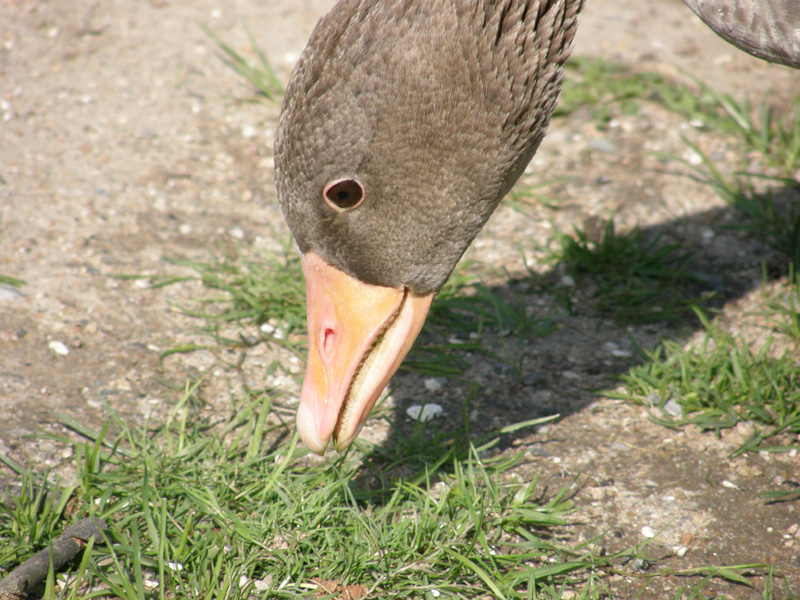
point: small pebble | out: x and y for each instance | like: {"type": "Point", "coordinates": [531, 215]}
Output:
{"type": "Point", "coordinates": [639, 564]}
{"type": "Point", "coordinates": [730, 485]}
{"type": "Point", "coordinates": [619, 446]}
{"type": "Point", "coordinates": [681, 550]}
{"type": "Point", "coordinates": [424, 413]}
{"type": "Point", "coordinates": [9, 293]}
{"type": "Point", "coordinates": [673, 409]}
{"type": "Point", "coordinates": [531, 379]}
{"type": "Point", "coordinates": [648, 532]}
{"type": "Point", "coordinates": [693, 158]}
{"type": "Point", "coordinates": [59, 348]}
{"type": "Point", "coordinates": [602, 145]}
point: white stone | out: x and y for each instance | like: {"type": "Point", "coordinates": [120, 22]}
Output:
{"type": "Point", "coordinates": [59, 348]}
{"type": "Point", "coordinates": [424, 413]}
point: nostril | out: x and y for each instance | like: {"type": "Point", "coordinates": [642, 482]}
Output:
{"type": "Point", "coordinates": [328, 339]}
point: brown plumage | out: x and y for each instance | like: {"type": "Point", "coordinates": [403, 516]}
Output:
{"type": "Point", "coordinates": [436, 107]}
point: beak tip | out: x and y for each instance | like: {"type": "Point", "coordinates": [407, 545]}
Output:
{"type": "Point", "coordinates": [308, 427]}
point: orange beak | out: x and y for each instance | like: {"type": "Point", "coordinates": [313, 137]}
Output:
{"type": "Point", "coordinates": [358, 334]}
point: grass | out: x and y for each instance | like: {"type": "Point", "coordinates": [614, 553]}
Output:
{"type": "Point", "coordinates": [12, 281]}
{"type": "Point", "coordinates": [267, 288]}
{"type": "Point", "coordinates": [605, 87]}
{"type": "Point", "coordinates": [768, 201]}
{"type": "Point", "coordinates": [766, 135]}
{"type": "Point", "coordinates": [720, 383]}
{"type": "Point", "coordinates": [782, 312]}
{"type": "Point", "coordinates": [775, 137]}
{"type": "Point", "coordinates": [259, 73]}
{"type": "Point", "coordinates": [203, 507]}
{"type": "Point", "coordinates": [636, 281]}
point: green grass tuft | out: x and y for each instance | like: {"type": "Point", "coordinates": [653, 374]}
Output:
{"type": "Point", "coordinates": [266, 289]}
{"type": "Point", "coordinates": [637, 281]}
{"type": "Point", "coordinates": [260, 75]}
{"type": "Point", "coordinates": [12, 281]}
{"type": "Point", "coordinates": [606, 87]}
{"type": "Point", "coordinates": [783, 312]}
{"type": "Point", "coordinates": [719, 384]}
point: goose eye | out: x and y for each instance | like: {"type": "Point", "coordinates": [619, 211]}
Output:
{"type": "Point", "coordinates": [344, 194]}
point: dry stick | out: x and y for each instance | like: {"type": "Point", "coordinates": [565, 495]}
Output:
{"type": "Point", "coordinates": [34, 570]}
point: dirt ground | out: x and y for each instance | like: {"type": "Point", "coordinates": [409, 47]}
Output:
{"type": "Point", "coordinates": [123, 142]}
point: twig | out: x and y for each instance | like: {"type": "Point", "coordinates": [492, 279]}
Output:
{"type": "Point", "coordinates": [34, 570]}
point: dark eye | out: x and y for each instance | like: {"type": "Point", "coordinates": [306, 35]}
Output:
{"type": "Point", "coordinates": [344, 194]}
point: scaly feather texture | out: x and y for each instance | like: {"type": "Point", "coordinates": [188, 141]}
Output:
{"type": "Point", "coordinates": [435, 107]}
{"type": "Point", "coordinates": [768, 29]}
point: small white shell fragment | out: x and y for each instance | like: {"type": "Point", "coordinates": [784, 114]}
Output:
{"type": "Point", "coordinates": [730, 484]}
{"type": "Point", "coordinates": [432, 385]}
{"type": "Point", "coordinates": [648, 532]}
{"type": "Point", "coordinates": [59, 348]}
{"type": "Point", "coordinates": [424, 413]}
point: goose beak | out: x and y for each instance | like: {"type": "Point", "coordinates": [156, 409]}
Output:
{"type": "Point", "coordinates": [358, 334]}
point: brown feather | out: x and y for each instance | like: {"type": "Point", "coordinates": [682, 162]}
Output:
{"type": "Point", "coordinates": [436, 107]}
